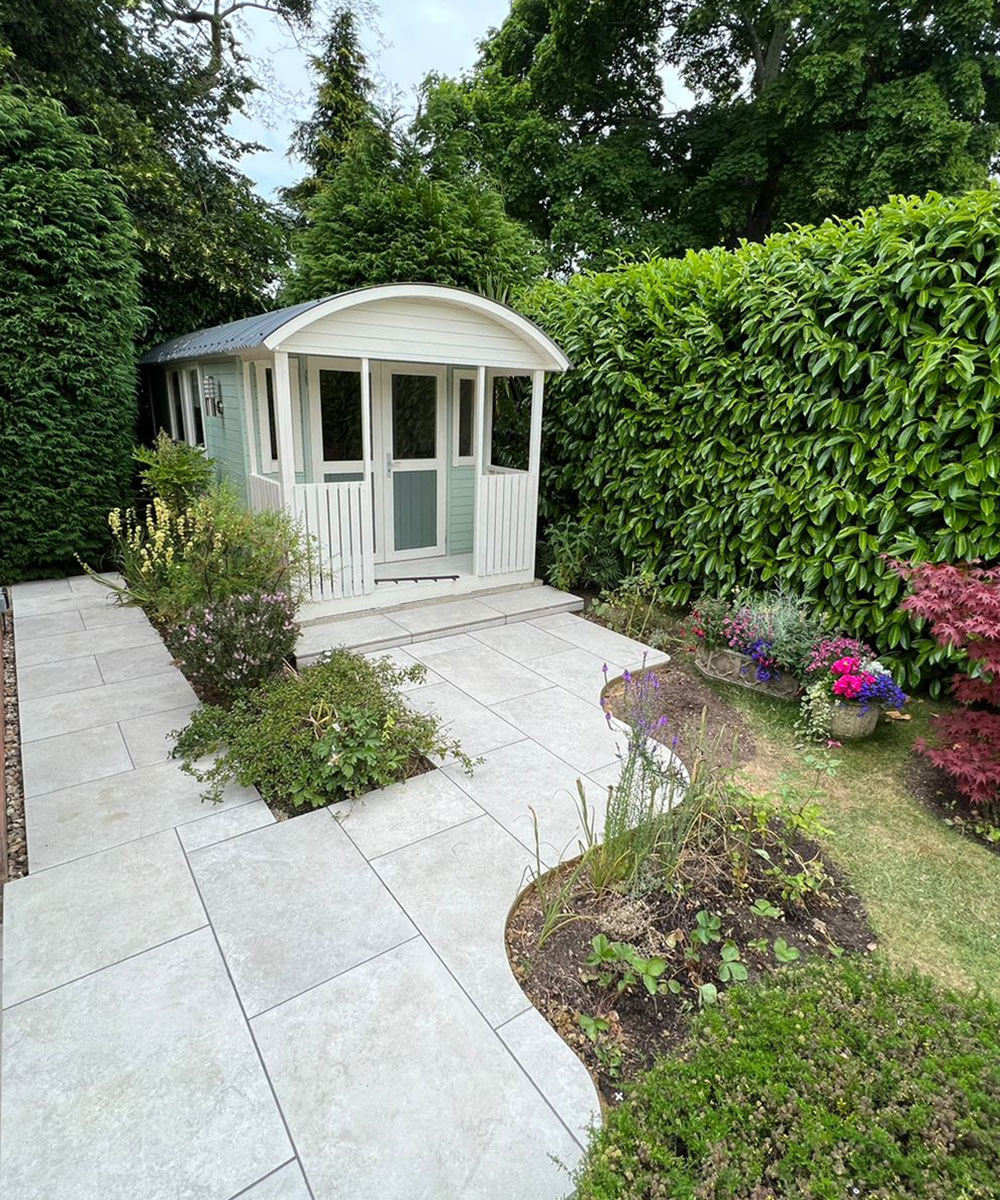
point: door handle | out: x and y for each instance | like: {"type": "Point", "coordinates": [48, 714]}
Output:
{"type": "Point", "coordinates": [388, 464]}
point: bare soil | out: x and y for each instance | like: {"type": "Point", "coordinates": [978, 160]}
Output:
{"type": "Point", "coordinates": [937, 790]}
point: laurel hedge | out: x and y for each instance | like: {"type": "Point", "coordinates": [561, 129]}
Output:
{"type": "Point", "coordinates": [790, 411]}
{"type": "Point", "coordinates": [68, 314]}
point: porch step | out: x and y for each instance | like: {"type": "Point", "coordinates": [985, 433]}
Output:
{"type": "Point", "coordinates": [421, 622]}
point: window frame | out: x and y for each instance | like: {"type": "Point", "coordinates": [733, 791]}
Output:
{"type": "Point", "coordinates": [326, 466]}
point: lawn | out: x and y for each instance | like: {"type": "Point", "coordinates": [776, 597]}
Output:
{"type": "Point", "coordinates": [933, 894]}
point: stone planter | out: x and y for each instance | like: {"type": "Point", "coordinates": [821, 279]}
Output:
{"type": "Point", "coordinates": [729, 667]}
{"type": "Point", "coordinates": [850, 720]}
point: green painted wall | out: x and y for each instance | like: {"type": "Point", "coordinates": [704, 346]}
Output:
{"type": "Point", "coordinates": [225, 436]}
{"type": "Point", "coordinates": [460, 490]}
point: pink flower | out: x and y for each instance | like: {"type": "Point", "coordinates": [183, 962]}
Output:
{"type": "Point", "coordinates": [844, 666]}
{"type": "Point", "coordinates": [848, 686]}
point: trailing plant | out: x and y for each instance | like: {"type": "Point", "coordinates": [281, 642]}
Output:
{"type": "Point", "coordinates": [235, 643]}
{"type": "Point", "coordinates": [339, 728]}
{"type": "Point", "coordinates": [176, 562]}
{"type": "Point", "coordinates": [821, 1083]}
{"type": "Point", "coordinates": [961, 606]}
{"type": "Point", "coordinates": [69, 315]}
{"type": "Point", "coordinates": [753, 413]}
{"type": "Point", "coordinates": [174, 471]}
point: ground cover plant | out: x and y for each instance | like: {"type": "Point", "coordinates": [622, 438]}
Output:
{"type": "Point", "coordinates": [833, 1080]}
{"type": "Point", "coordinates": [339, 728]}
{"type": "Point", "coordinates": [760, 413]}
{"type": "Point", "coordinates": [676, 902]}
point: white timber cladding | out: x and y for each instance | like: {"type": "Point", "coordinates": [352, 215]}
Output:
{"type": "Point", "coordinates": [424, 329]}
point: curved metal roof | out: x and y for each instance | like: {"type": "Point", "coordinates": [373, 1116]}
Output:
{"type": "Point", "coordinates": [260, 332]}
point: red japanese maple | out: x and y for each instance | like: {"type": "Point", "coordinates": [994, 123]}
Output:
{"type": "Point", "coordinates": [961, 605]}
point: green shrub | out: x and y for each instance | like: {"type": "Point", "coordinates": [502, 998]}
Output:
{"type": "Point", "coordinates": [68, 316]}
{"type": "Point", "coordinates": [789, 411]}
{"type": "Point", "coordinates": [235, 643]}
{"type": "Point", "coordinates": [176, 472]}
{"type": "Point", "coordinates": [834, 1081]}
{"type": "Point", "coordinates": [338, 729]}
{"type": "Point", "coordinates": [581, 555]}
{"type": "Point", "coordinates": [176, 562]}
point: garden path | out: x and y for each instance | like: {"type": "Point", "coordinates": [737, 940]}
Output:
{"type": "Point", "coordinates": [210, 1003]}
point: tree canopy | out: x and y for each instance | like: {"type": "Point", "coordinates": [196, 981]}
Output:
{"type": "Point", "coordinates": [802, 111]}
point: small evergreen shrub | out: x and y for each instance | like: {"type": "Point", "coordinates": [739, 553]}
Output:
{"type": "Point", "coordinates": [581, 555]}
{"type": "Point", "coordinates": [834, 1081]}
{"type": "Point", "coordinates": [961, 605]}
{"type": "Point", "coordinates": [174, 471]}
{"type": "Point", "coordinates": [235, 644]}
{"type": "Point", "coordinates": [340, 728]}
{"type": "Point", "coordinates": [68, 318]}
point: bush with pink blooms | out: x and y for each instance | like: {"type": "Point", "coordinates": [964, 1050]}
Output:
{"type": "Point", "coordinates": [234, 644]}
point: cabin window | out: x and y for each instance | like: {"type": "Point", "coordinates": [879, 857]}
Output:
{"type": "Point", "coordinates": [464, 432]}
{"type": "Point", "coordinates": [340, 418]}
{"type": "Point", "coordinates": [176, 402]}
{"type": "Point", "coordinates": [272, 421]}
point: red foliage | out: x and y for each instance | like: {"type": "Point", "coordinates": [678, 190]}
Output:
{"type": "Point", "coordinates": [962, 607]}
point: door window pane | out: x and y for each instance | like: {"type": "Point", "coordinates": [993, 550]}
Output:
{"type": "Point", "coordinates": [414, 416]}
{"type": "Point", "coordinates": [199, 424]}
{"type": "Point", "coordinates": [272, 423]}
{"type": "Point", "coordinates": [340, 414]}
{"type": "Point", "coordinates": [177, 406]}
{"type": "Point", "coordinates": [466, 401]}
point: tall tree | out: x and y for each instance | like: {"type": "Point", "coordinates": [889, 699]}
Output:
{"type": "Point", "coordinates": [804, 109]}
{"type": "Point", "coordinates": [155, 82]}
{"type": "Point", "coordinates": [344, 100]}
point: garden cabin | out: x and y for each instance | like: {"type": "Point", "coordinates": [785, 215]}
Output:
{"type": "Point", "coordinates": [370, 416]}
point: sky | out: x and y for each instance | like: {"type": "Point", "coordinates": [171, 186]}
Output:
{"type": "Point", "coordinates": [414, 37]}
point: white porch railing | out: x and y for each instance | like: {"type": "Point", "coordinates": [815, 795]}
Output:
{"type": "Point", "coordinates": [505, 537]}
{"type": "Point", "coordinates": [337, 521]}
{"type": "Point", "coordinates": [265, 494]}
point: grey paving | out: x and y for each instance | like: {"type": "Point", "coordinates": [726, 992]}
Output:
{"type": "Point", "coordinates": [440, 1110]}
{"type": "Point", "coordinates": [405, 812]}
{"type": "Point", "coordinates": [532, 601]}
{"type": "Point", "coordinates": [64, 923]}
{"type": "Point", "coordinates": [140, 1080]}
{"type": "Point", "coordinates": [461, 615]}
{"type": "Point", "coordinates": [104, 705]}
{"type": "Point", "coordinates": [33, 651]}
{"type": "Point", "coordinates": [484, 866]}
{"type": "Point", "coordinates": [613, 648]}
{"type": "Point", "coordinates": [149, 738]}
{"type": "Point", "coordinates": [522, 641]}
{"type": "Point", "coordinates": [570, 727]}
{"type": "Point", "coordinates": [487, 675]}
{"type": "Point", "coordinates": [73, 758]}
{"type": "Point", "coordinates": [293, 904]}
{"type": "Point", "coordinates": [75, 821]}
{"type": "Point", "coordinates": [112, 614]}
{"type": "Point", "coordinates": [576, 670]}
{"type": "Point", "coordinates": [56, 679]}
{"type": "Point", "coordinates": [224, 823]}
{"type": "Point", "coordinates": [404, 660]}
{"type": "Point", "coordinates": [476, 727]}
{"type": "Point", "coordinates": [136, 663]}
{"type": "Point", "coordinates": [67, 621]}
{"type": "Point", "coordinates": [284, 1184]}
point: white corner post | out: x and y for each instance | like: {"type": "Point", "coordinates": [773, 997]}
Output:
{"type": "Point", "coordinates": [478, 519]}
{"type": "Point", "coordinates": [366, 422]}
{"type": "Point", "coordinates": [534, 461]}
{"type": "Point", "coordinates": [283, 420]}
{"type": "Point", "coordinates": [253, 451]}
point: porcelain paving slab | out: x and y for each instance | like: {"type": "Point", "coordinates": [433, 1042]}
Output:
{"type": "Point", "coordinates": [285, 1184]}
{"type": "Point", "coordinates": [137, 663]}
{"type": "Point", "coordinates": [612, 648]}
{"type": "Point", "coordinates": [556, 1070]}
{"type": "Point", "coordinates": [55, 679]}
{"type": "Point", "coordinates": [515, 779]}
{"type": "Point", "coordinates": [112, 614]}
{"type": "Point", "coordinates": [571, 728]}
{"type": "Point", "coordinates": [521, 641]}
{"type": "Point", "coordinates": [368, 632]}
{"type": "Point", "coordinates": [73, 758]}
{"type": "Point", "coordinates": [475, 726]}
{"type": "Point", "coordinates": [75, 821]}
{"type": "Point", "coordinates": [148, 738]}
{"type": "Point", "coordinates": [533, 600]}
{"type": "Point", "coordinates": [76, 918]}
{"type": "Point", "coordinates": [403, 660]}
{"type": "Point", "coordinates": [138, 1081]}
{"type": "Point", "coordinates": [293, 904]}
{"type": "Point", "coordinates": [576, 670]}
{"type": "Point", "coordinates": [404, 812]}
{"type": "Point", "coordinates": [68, 621]}
{"type": "Point", "coordinates": [33, 651]}
{"type": "Point", "coordinates": [425, 651]}
{"type": "Point", "coordinates": [486, 867]}
{"type": "Point", "coordinates": [224, 823]}
{"type": "Point", "coordinates": [487, 675]}
{"type": "Point", "coordinates": [424, 620]}
{"type": "Point", "coordinates": [390, 1047]}
{"type": "Point", "coordinates": [51, 716]}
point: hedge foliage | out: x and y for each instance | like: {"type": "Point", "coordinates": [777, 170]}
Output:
{"type": "Point", "coordinates": [790, 411]}
{"type": "Point", "coordinates": [68, 315]}
{"type": "Point", "coordinates": [833, 1081]}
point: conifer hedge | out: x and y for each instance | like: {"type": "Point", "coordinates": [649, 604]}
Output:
{"type": "Point", "coordinates": [791, 411]}
{"type": "Point", "coordinates": [68, 314]}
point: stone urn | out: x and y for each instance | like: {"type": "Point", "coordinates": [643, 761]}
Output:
{"type": "Point", "coordinates": [851, 720]}
{"type": "Point", "coordinates": [728, 666]}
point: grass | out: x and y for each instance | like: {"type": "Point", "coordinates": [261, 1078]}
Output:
{"type": "Point", "coordinates": [933, 895]}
